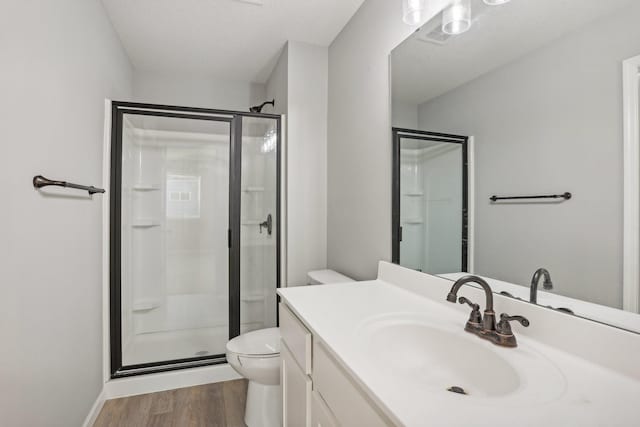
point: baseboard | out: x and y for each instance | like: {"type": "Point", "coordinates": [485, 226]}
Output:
{"type": "Point", "coordinates": [95, 410]}
{"type": "Point", "coordinates": [152, 383]}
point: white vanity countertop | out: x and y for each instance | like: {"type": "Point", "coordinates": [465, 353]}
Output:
{"type": "Point", "coordinates": [589, 395]}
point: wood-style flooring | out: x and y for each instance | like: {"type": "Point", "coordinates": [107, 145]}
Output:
{"type": "Point", "coordinates": [210, 405]}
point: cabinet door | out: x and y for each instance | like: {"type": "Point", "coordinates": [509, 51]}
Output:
{"type": "Point", "coordinates": [297, 338]}
{"type": "Point", "coordinates": [349, 405]}
{"type": "Point", "coordinates": [296, 392]}
{"type": "Point", "coordinates": [321, 416]}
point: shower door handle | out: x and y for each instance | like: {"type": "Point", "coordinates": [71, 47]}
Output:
{"type": "Point", "coordinates": [268, 224]}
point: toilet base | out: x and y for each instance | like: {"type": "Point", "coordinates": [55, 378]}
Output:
{"type": "Point", "coordinates": [264, 405]}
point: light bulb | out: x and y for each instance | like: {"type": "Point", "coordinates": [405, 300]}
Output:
{"type": "Point", "coordinates": [413, 11]}
{"type": "Point", "coordinates": [456, 19]}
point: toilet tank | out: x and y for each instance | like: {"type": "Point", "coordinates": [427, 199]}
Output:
{"type": "Point", "coordinates": [320, 277]}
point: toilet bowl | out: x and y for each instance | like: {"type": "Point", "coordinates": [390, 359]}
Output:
{"type": "Point", "coordinates": [256, 356]}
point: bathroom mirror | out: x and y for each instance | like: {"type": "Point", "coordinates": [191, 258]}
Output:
{"type": "Point", "coordinates": [549, 178]}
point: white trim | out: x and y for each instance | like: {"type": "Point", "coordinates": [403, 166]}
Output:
{"type": "Point", "coordinates": [471, 204]}
{"type": "Point", "coordinates": [162, 381]}
{"type": "Point", "coordinates": [92, 416]}
{"type": "Point", "coordinates": [631, 156]}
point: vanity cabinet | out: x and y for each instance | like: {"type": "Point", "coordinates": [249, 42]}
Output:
{"type": "Point", "coordinates": [317, 391]}
{"type": "Point", "coordinates": [296, 391]}
{"type": "Point", "coordinates": [321, 415]}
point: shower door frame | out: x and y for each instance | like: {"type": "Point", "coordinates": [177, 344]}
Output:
{"type": "Point", "coordinates": [234, 118]}
{"type": "Point", "coordinates": [396, 225]}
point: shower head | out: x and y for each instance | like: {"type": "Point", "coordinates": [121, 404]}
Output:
{"type": "Point", "coordinates": [258, 108]}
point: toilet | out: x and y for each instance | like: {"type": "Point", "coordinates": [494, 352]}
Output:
{"type": "Point", "coordinates": [256, 356]}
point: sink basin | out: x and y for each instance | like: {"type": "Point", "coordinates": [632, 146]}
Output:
{"type": "Point", "coordinates": [443, 359]}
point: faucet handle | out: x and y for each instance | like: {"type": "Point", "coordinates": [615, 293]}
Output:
{"type": "Point", "coordinates": [504, 327]}
{"type": "Point", "coordinates": [475, 317]}
{"type": "Point", "coordinates": [463, 300]}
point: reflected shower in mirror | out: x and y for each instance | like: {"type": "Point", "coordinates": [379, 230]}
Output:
{"type": "Point", "coordinates": [551, 115]}
{"type": "Point", "coordinates": [430, 203]}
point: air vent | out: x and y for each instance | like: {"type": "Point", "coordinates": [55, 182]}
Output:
{"type": "Point", "coordinates": [436, 36]}
{"type": "Point", "coordinates": [254, 2]}
{"type": "Point", "coordinates": [431, 32]}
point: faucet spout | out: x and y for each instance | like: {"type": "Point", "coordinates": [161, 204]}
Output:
{"type": "Point", "coordinates": [453, 293]}
{"type": "Point", "coordinates": [489, 321]}
{"type": "Point", "coordinates": [535, 280]}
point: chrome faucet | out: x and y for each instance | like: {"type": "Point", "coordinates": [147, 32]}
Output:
{"type": "Point", "coordinates": [535, 280]}
{"type": "Point", "coordinates": [486, 328]}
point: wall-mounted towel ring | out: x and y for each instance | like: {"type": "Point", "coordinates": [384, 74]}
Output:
{"type": "Point", "coordinates": [40, 181]}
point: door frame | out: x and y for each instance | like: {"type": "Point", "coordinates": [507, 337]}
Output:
{"type": "Point", "coordinates": [631, 156]}
{"type": "Point", "coordinates": [467, 185]}
{"type": "Point", "coordinates": [234, 118]}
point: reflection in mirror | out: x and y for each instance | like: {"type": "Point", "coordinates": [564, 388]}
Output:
{"type": "Point", "coordinates": [432, 201]}
{"type": "Point", "coordinates": [538, 87]}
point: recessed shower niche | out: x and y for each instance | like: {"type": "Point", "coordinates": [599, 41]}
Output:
{"type": "Point", "coordinates": [194, 233]}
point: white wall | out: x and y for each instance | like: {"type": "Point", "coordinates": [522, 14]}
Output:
{"type": "Point", "coordinates": [548, 123]}
{"type": "Point", "coordinates": [196, 91]}
{"type": "Point", "coordinates": [307, 160]}
{"type": "Point", "coordinates": [59, 61]}
{"type": "Point", "coordinates": [299, 83]}
{"type": "Point", "coordinates": [277, 86]}
{"type": "Point", "coordinates": [404, 115]}
{"type": "Point", "coordinates": [359, 137]}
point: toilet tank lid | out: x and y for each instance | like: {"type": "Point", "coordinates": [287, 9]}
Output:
{"type": "Point", "coordinates": [327, 276]}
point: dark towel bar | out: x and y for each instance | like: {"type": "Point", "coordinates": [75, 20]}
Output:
{"type": "Point", "coordinates": [40, 181]}
{"type": "Point", "coordinates": [565, 196]}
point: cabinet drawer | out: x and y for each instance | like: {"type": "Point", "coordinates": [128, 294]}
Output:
{"type": "Point", "coordinates": [297, 338]}
{"type": "Point", "coordinates": [321, 416]}
{"type": "Point", "coordinates": [296, 392]}
{"type": "Point", "coordinates": [344, 398]}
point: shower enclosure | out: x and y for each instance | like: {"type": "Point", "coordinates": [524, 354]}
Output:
{"type": "Point", "coordinates": [194, 247]}
{"type": "Point", "coordinates": [430, 201]}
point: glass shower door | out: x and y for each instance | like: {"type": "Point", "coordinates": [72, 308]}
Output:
{"type": "Point", "coordinates": [430, 201]}
{"type": "Point", "coordinates": [175, 192]}
{"type": "Point", "coordinates": [195, 238]}
{"type": "Point", "coordinates": [259, 223]}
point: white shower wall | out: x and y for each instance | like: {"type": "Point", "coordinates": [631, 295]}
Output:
{"type": "Point", "coordinates": [258, 258]}
{"type": "Point", "coordinates": [431, 208]}
{"type": "Point", "coordinates": [175, 217]}
{"type": "Point", "coordinates": [442, 177]}
{"type": "Point", "coordinates": [412, 209]}
{"type": "Point", "coordinates": [174, 264]}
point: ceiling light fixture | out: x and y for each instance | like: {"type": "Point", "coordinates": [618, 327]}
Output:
{"type": "Point", "coordinates": [456, 19]}
{"type": "Point", "coordinates": [495, 2]}
{"type": "Point", "coordinates": [413, 11]}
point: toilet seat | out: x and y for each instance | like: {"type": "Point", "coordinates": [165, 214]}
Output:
{"type": "Point", "coordinates": [262, 343]}
{"type": "Point", "coordinates": [256, 356]}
